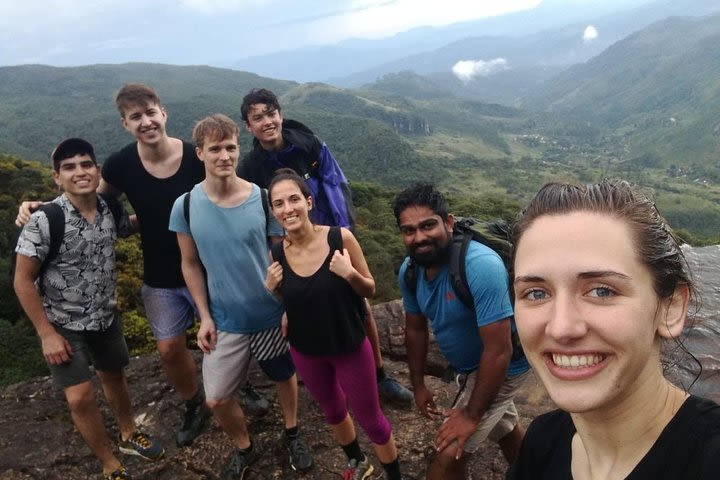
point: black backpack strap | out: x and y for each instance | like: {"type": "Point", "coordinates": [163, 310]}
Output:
{"type": "Point", "coordinates": [56, 221]}
{"type": "Point", "coordinates": [186, 208]}
{"type": "Point", "coordinates": [335, 239]}
{"type": "Point", "coordinates": [458, 274]}
{"type": "Point", "coordinates": [114, 206]}
{"type": "Point", "coordinates": [410, 276]}
{"type": "Point", "coordinates": [278, 252]}
{"type": "Point", "coordinates": [266, 207]}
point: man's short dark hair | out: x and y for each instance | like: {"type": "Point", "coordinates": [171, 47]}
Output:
{"type": "Point", "coordinates": [69, 148]}
{"type": "Point", "coordinates": [258, 95]}
{"type": "Point", "coordinates": [420, 195]}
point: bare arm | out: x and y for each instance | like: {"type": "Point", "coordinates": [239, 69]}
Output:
{"type": "Point", "coordinates": [490, 375]}
{"type": "Point", "coordinates": [351, 266]}
{"type": "Point", "coordinates": [195, 280]}
{"type": "Point", "coordinates": [55, 348]}
{"type": "Point", "coordinates": [416, 343]}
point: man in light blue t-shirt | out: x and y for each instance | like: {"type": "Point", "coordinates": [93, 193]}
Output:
{"type": "Point", "coordinates": [477, 343]}
{"type": "Point", "coordinates": [222, 225]}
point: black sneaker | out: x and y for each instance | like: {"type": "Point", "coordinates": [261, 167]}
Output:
{"type": "Point", "coordinates": [300, 459]}
{"type": "Point", "coordinates": [119, 474]}
{"type": "Point", "coordinates": [392, 391]}
{"type": "Point", "coordinates": [196, 420]}
{"type": "Point", "coordinates": [252, 402]}
{"type": "Point", "coordinates": [237, 465]}
{"type": "Point", "coordinates": [142, 445]}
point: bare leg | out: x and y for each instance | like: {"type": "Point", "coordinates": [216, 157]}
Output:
{"type": "Point", "coordinates": [114, 385]}
{"type": "Point", "coordinates": [386, 453]}
{"type": "Point", "coordinates": [179, 365]}
{"type": "Point", "coordinates": [288, 397]}
{"type": "Point", "coordinates": [445, 467]}
{"type": "Point", "coordinates": [372, 334]}
{"type": "Point", "coordinates": [89, 422]}
{"type": "Point", "coordinates": [344, 431]}
{"type": "Point", "coordinates": [510, 443]}
{"type": "Point", "coordinates": [231, 419]}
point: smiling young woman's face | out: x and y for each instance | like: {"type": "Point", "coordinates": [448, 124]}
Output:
{"type": "Point", "coordinates": [586, 311]}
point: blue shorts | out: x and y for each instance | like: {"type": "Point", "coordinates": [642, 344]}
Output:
{"type": "Point", "coordinates": [170, 311]}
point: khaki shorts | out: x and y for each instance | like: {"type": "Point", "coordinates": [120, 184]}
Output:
{"type": "Point", "coordinates": [225, 367]}
{"type": "Point", "coordinates": [500, 419]}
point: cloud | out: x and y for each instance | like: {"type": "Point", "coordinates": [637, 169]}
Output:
{"type": "Point", "coordinates": [466, 70]}
{"type": "Point", "coordinates": [211, 7]}
{"type": "Point", "coordinates": [590, 33]}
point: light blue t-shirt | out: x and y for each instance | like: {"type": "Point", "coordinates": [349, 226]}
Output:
{"type": "Point", "coordinates": [454, 325]}
{"type": "Point", "coordinates": [232, 244]}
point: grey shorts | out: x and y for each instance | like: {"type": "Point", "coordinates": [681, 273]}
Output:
{"type": "Point", "coordinates": [225, 367]}
{"type": "Point", "coordinates": [170, 311]}
{"type": "Point", "coordinates": [502, 416]}
{"type": "Point", "coordinates": [106, 350]}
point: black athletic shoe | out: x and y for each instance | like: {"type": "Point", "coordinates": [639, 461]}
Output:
{"type": "Point", "coordinates": [237, 465]}
{"type": "Point", "coordinates": [196, 420]}
{"type": "Point", "coordinates": [391, 390]}
{"type": "Point", "coordinates": [300, 459]}
{"type": "Point", "coordinates": [252, 402]}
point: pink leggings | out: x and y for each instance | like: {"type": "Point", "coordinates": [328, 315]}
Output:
{"type": "Point", "coordinates": [336, 381]}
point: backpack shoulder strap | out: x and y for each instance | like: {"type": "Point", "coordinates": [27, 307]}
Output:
{"type": "Point", "coordinates": [266, 207]}
{"type": "Point", "coordinates": [113, 205]}
{"type": "Point", "coordinates": [278, 253]}
{"type": "Point", "coordinates": [56, 221]}
{"type": "Point", "coordinates": [410, 276]}
{"type": "Point", "coordinates": [458, 274]}
{"type": "Point", "coordinates": [186, 208]}
{"type": "Point", "coordinates": [335, 239]}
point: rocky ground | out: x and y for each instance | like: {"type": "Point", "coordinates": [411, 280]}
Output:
{"type": "Point", "coordinates": [38, 441]}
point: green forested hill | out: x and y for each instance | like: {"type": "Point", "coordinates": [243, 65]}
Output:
{"type": "Point", "coordinates": [656, 92]}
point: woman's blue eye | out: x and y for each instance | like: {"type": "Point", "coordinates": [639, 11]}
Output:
{"type": "Point", "coordinates": [535, 295]}
{"type": "Point", "coordinates": [601, 292]}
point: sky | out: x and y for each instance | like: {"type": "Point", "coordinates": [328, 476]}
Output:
{"type": "Point", "coordinates": [81, 32]}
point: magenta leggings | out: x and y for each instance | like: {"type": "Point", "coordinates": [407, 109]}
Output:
{"type": "Point", "coordinates": [336, 381]}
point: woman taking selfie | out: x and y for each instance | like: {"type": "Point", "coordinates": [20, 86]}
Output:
{"type": "Point", "coordinates": [600, 282]}
{"type": "Point", "coordinates": [322, 277]}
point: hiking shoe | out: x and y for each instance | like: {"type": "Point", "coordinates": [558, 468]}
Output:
{"type": "Point", "coordinates": [196, 420]}
{"type": "Point", "coordinates": [142, 445]}
{"type": "Point", "coordinates": [237, 465]}
{"type": "Point", "coordinates": [358, 471]}
{"type": "Point", "coordinates": [119, 474]}
{"type": "Point", "coordinates": [300, 459]}
{"type": "Point", "coordinates": [254, 403]}
{"type": "Point", "coordinates": [391, 390]}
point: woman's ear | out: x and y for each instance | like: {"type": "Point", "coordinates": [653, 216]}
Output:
{"type": "Point", "coordinates": [673, 315]}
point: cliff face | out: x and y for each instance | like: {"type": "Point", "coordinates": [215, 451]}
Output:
{"type": "Point", "coordinates": [38, 441]}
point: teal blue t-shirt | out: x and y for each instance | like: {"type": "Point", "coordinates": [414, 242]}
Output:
{"type": "Point", "coordinates": [454, 325]}
{"type": "Point", "coordinates": [232, 244]}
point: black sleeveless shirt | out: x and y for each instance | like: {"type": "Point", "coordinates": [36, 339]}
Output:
{"type": "Point", "coordinates": [325, 315]}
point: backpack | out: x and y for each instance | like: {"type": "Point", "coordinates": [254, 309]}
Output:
{"type": "Point", "coordinates": [494, 234]}
{"type": "Point", "coordinates": [56, 222]}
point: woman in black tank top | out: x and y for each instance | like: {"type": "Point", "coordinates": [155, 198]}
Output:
{"type": "Point", "coordinates": [321, 275]}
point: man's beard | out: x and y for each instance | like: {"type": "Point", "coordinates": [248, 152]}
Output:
{"type": "Point", "coordinates": [431, 258]}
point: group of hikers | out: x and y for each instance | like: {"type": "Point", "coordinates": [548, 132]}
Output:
{"type": "Point", "coordinates": [261, 252]}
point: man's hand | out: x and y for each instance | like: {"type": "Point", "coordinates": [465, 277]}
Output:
{"type": "Point", "coordinates": [274, 276]}
{"type": "Point", "coordinates": [55, 348]}
{"type": "Point", "coordinates": [24, 211]}
{"type": "Point", "coordinates": [425, 401]}
{"type": "Point", "coordinates": [458, 427]}
{"type": "Point", "coordinates": [207, 335]}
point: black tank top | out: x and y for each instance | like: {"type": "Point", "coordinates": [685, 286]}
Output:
{"type": "Point", "coordinates": [325, 315]}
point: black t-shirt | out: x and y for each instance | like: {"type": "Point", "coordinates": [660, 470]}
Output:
{"type": "Point", "coordinates": [152, 199]}
{"type": "Point", "coordinates": [687, 449]}
{"type": "Point", "coordinates": [325, 315]}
